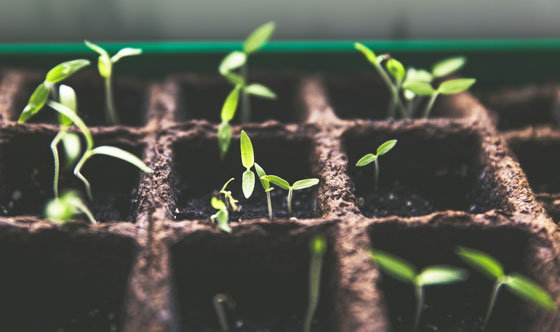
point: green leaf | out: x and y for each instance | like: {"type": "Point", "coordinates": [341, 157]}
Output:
{"type": "Point", "coordinates": [366, 160]}
{"type": "Point", "coordinates": [395, 266]}
{"type": "Point", "coordinates": [318, 244]}
{"type": "Point", "coordinates": [67, 97]}
{"type": "Point", "coordinates": [72, 147]}
{"type": "Point", "coordinates": [127, 51]}
{"type": "Point", "coordinates": [59, 211]}
{"type": "Point", "coordinates": [438, 275]}
{"type": "Point", "coordinates": [74, 200]}
{"type": "Point", "coordinates": [305, 183]}
{"type": "Point", "coordinates": [232, 61]}
{"type": "Point", "coordinates": [419, 88]}
{"type": "Point", "coordinates": [530, 291]}
{"type": "Point", "coordinates": [258, 37]}
{"type": "Point", "coordinates": [65, 70]}
{"type": "Point", "coordinates": [481, 261]}
{"type": "Point", "coordinates": [386, 147]}
{"type": "Point", "coordinates": [230, 105]}
{"type": "Point", "coordinates": [448, 66]}
{"type": "Point", "coordinates": [366, 52]}
{"type": "Point", "coordinates": [223, 218]}
{"type": "Point", "coordinates": [115, 152]}
{"type": "Point", "coordinates": [247, 156]}
{"type": "Point", "coordinates": [217, 203]}
{"type": "Point", "coordinates": [248, 183]}
{"type": "Point", "coordinates": [224, 138]}
{"type": "Point", "coordinates": [96, 48]}
{"type": "Point", "coordinates": [417, 75]}
{"type": "Point", "coordinates": [105, 66]}
{"type": "Point", "coordinates": [260, 90]}
{"type": "Point", "coordinates": [455, 86]}
{"type": "Point", "coordinates": [36, 102]}
{"type": "Point", "coordinates": [277, 181]}
{"type": "Point", "coordinates": [260, 173]}
{"type": "Point", "coordinates": [235, 79]}
{"type": "Point", "coordinates": [396, 69]}
{"type": "Point", "coordinates": [75, 119]}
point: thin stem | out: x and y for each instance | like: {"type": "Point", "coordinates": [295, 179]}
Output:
{"type": "Point", "coordinates": [493, 297]}
{"type": "Point", "coordinates": [314, 287]}
{"type": "Point", "coordinates": [394, 101]}
{"type": "Point", "coordinates": [393, 89]}
{"type": "Point", "coordinates": [111, 111]}
{"type": "Point", "coordinates": [219, 301]}
{"type": "Point", "coordinates": [290, 192]}
{"type": "Point", "coordinates": [419, 290]}
{"type": "Point", "coordinates": [79, 175]}
{"type": "Point", "coordinates": [54, 150]}
{"type": "Point", "coordinates": [376, 175]}
{"type": "Point", "coordinates": [245, 103]}
{"type": "Point", "coordinates": [430, 105]}
{"type": "Point", "coordinates": [268, 201]}
{"type": "Point", "coordinates": [84, 209]}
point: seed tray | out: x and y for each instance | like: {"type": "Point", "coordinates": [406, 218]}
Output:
{"type": "Point", "coordinates": [156, 260]}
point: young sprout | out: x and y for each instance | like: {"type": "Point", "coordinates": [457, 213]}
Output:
{"type": "Point", "coordinates": [222, 216]}
{"type": "Point", "coordinates": [239, 59]}
{"type": "Point", "coordinates": [221, 301]}
{"type": "Point", "coordinates": [298, 185]}
{"type": "Point", "coordinates": [228, 197]}
{"type": "Point", "coordinates": [228, 112]}
{"type": "Point", "coordinates": [518, 284]}
{"type": "Point", "coordinates": [405, 272]}
{"type": "Point", "coordinates": [105, 66]}
{"type": "Point", "coordinates": [317, 246]}
{"type": "Point", "coordinates": [266, 186]}
{"type": "Point", "coordinates": [370, 157]}
{"type": "Point", "coordinates": [62, 209]}
{"type": "Point", "coordinates": [56, 75]}
{"type": "Point", "coordinates": [248, 160]}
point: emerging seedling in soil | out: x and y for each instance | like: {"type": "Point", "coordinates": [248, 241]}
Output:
{"type": "Point", "coordinates": [105, 66]}
{"type": "Point", "coordinates": [228, 197]}
{"type": "Point", "coordinates": [266, 186]}
{"type": "Point", "coordinates": [248, 160]}
{"type": "Point", "coordinates": [62, 209]}
{"type": "Point", "coordinates": [221, 302]}
{"type": "Point", "coordinates": [239, 59]}
{"type": "Point", "coordinates": [405, 272]}
{"type": "Point", "coordinates": [222, 216]}
{"type": "Point", "coordinates": [228, 112]}
{"type": "Point", "coordinates": [298, 185]}
{"type": "Point", "coordinates": [518, 284]}
{"type": "Point", "coordinates": [373, 158]}
{"type": "Point", "coordinates": [317, 246]}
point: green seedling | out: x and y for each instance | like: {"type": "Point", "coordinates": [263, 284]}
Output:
{"type": "Point", "coordinates": [405, 272]}
{"type": "Point", "coordinates": [238, 60]}
{"type": "Point", "coordinates": [62, 209]}
{"type": "Point", "coordinates": [222, 216]}
{"type": "Point", "coordinates": [248, 160]}
{"type": "Point", "coordinates": [56, 75]}
{"type": "Point", "coordinates": [228, 112]}
{"type": "Point", "coordinates": [298, 185]}
{"type": "Point", "coordinates": [105, 66]}
{"type": "Point", "coordinates": [373, 158]}
{"type": "Point", "coordinates": [221, 302]}
{"type": "Point", "coordinates": [317, 248]}
{"type": "Point", "coordinates": [518, 284]}
{"type": "Point", "coordinates": [266, 186]}
{"type": "Point", "coordinates": [231, 202]}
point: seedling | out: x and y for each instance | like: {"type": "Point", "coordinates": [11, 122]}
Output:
{"type": "Point", "coordinates": [62, 209]}
{"type": "Point", "coordinates": [266, 186]}
{"type": "Point", "coordinates": [105, 67]}
{"type": "Point", "coordinates": [518, 284]}
{"type": "Point", "coordinates": [248, 160]}
{"type": "Point", "coordinates": [405, 272]}
{"type": "Point", "coordinates": [222, 216]}
{"type": "Point", "coordinates": [56, 75]}
{"type": "Point", "coordinates": [298, 185]}
{"type": "Point", "coordinates": [228, 112]}
{"type": "Point", "coordinates": [228, 197]}
{"type": "Point", "coordinates": [221, 302]}
{"type": "Point", "coordinates": [373, 158]}
{"type": "Point", "coordinates": [238, 60]}
{"type": "Point", "coordinates": [317, 247]}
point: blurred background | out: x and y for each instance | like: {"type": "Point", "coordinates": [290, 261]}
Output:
{"type": "Point", "coordinates": [152, 20]}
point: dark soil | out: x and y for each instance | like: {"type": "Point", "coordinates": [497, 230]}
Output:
{"type": "Point", "coordinates": [540, 160]}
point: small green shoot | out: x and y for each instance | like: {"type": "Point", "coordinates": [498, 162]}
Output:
{"type": "Point", "coordinates": [518, 284]}
{"type": "Point", "coordinates": [228, 197]}
{"type": "Point", "coordinates": [62, 209]}
{"type": "Point", "coordinates": [56, 75]}
{"type": "Point", "coordinates": [298, 185]}
{"type": "Point", "coordinates": [222, 216]}
{"type": "Point", "coordinates": [248, 160]}
{"type": "Point", "coordinates": [373, 158]}
{"type": "Point", "coordinates": [238, 60]}
{"type": "Point", "coordinates": [266, 186]}
{"type": "Point", "coordinates": [228, 111]}
{"type": "Point", "coordinates": [317, 247]}
{"type": "Point", "coordinates": [105, 66]}
{"type": "Point", "coordinates": [405, 272]}
{"type": "Point", "coordinates": [221, 301]}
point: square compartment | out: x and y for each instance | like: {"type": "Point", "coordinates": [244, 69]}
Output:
{"type": "Point", "coordinates": [54, 280]}
{"type": "Point", "coordinates": [461, 306]}
{"type": "Point", "coordinates": [198, 172]}
{"type": "Point", "coordinates": [265, 271]}
{"type": "Point", "coordinates": [202, 97]}
{"type": "Point", "coordinates": [27, 168]}
{"type": "Point", "coordinates": [425, 172]}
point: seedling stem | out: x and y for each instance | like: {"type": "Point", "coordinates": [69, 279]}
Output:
{"type": "Point", "coordinates": [221, 301]}
{"type": "Point", "coordinates": [298, 185]}
{"type": "Point", "coordinates": [246, 108]}
{"type": "Point", "coordinates": [317, 246]}
{"type": "Point", "coordinates": [371, 157]}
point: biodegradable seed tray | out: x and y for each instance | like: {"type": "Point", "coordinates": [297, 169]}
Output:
{"type": "Point", "coordinates": [156, 260]}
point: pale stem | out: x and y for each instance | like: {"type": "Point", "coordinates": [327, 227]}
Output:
{"type": "Point", "coordinates": [419, 290]}
{"type": "Point", "coordinates": [220, 300]}
{"type": "Point", "coordinates": [290, 192]}
{"type": "Point", "coordinates": [376, 174]}
{"type": "Point", "coordinates": [493, 297]}
{"type": "Point", "coordinates": [111, 111]}
{"type": "Point", "coordinates": [245, 103]}
{"type": "Point", "coordinates": [84, 209]}
{"type": "Point", "coordinates": [80, 176]}
{"type": "Point", "coordinates": [393, 89]}
{"type": "Point", "coordinates": [430, 104]}
{"type": "Point", "coordinates": [394, 101]}
{"type": "Point", "coordinates": [54, 150]}
{"type": "Point", "coordinates": [314, 287]}
{"type": "Point", "coordinates": [269, 204]}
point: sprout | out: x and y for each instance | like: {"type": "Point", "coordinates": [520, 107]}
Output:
{"type": "Point", "coordinates": [248, 160]}
{"type": "Point", "coordinates": [220, 301]}
{"type": "Point", "coordinates": [41, 94]}
{"type": "Point", "coordinates": [105, 66]}
{"type": "Point", "coordinates": [370, 157]}
{"type": "Point", "coordinates": [62, 209]}
{"type": "Point", "coordinates": [266, 186]}
{"type": "Point", "coordinates": [317, 246]}
{"type": "Point", "coordinates": [405, 272]}
{"type": "Point", "coordinates": [222, 216]}
{"type": "Point", "coordinates": [298, 185]}
{"type": "Point", "coordinates": [518, 284]}
{"type": "Point", "coordinates": [238, 59]}
{"type": "Point", "coordinates": [228, 197]}
{"type": "Point", "coordinates": [228, 111]}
